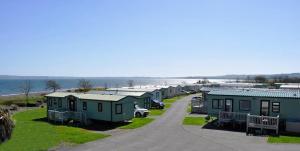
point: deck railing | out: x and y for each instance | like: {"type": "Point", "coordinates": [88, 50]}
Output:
{"type": "Point", "coordinates": [232, 117]}
{"type": "Point", "coordinates": [263, 122]}
{"type": "Point", "coordinates": [62, 116]}
{"type": "Point", "coordinates": [252, 121]}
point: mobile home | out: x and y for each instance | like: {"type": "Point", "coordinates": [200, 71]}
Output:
{"type": "Point", "coordinates": [143, 99]}
{"type": "Point", "coordinates": [237, 104]}
{"type": "Point", "coordinates": [156, 94]}
{"type": "Point", "coordinates": [63, 106]}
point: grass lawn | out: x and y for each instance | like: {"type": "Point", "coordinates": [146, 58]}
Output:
{"type": "Point", "coordinates": [20, 100]}
{"type": "Point", "coordinates": [172, 100]}
{"type": "Point", "coordinates": [284, 139]}
{"type": "Point", "coordinates": [168, 105]}
{"type": "Point", "coordinates": [200, 121]}
{"type": "Point", "coordinates": [189, 108]}
{"type": "Point", "coordinates": [34, 134]}
{"type": "Point", "coordinates": [137, 122]}
{"type": "Point", "coordinates": [157, 112]}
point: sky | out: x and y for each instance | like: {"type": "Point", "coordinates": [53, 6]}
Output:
{"type": "Point", "coordinates": [149, 37]}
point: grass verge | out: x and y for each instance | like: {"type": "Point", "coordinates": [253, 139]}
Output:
{"type": "Point", "coordinates": [189, 108]}
{"type": "Point", "coordinates": [199, 121]}
{"type": "Point", "coordinates": [137, 122]}
{"type": "Point", "coordinates": [32, 133]}
{"type": "Point", "coordinates": [172, 100]}
{"type": "Point", "coordinates": [284, 139]}
{"type": "Point", "coordinates": [157, 112]}
{"type": "Point", "coordinates": [20, 100]}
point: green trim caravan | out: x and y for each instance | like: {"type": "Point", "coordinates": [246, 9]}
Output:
{"type": "Point", "coordinates": [64, 106]}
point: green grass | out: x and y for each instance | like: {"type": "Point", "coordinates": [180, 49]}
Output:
{"type": "Point", "coordinates": [284, 139]}
{"type": "Point", "coordinates": [137, 122]}
{"type": "Point", "coordinates": [172, 100]}
{"type": "Point", "coordinates": [168, 105]}
{"type": "Point", "coordinates": [199, 121]}
{"type": "Point", "coordinates": [33, 134]}
{"type": "Point", "coordinates": [157, 112]}
{"type": "Point", "coordinates": [20, 100]}
{"type": "Point", "coordinates": [189, 108]}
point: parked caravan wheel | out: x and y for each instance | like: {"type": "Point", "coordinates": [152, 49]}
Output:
{"type": "Point", "coordinates": [138, 114]}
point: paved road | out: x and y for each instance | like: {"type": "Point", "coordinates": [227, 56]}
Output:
{"type": "Point", "coordinates": [167, 134]}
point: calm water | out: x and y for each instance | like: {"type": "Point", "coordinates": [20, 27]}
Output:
{"type": "Point", "coordinates": [12, 86]}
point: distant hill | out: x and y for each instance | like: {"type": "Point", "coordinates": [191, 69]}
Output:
{"type": "Point", "coordinates": [233, 76]}
{"type": "Point", "coordinates": [7, 77]}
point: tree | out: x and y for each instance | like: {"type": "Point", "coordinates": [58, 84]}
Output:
{"type": "Point", "coordinates": [199, 82]}
{"type": "Point", "coordinates": [85, 85]}
{"type": "Point", "coordinates": [205, 81]}
{"type": "Point", "coordinates": [260, 79]}
{"type": "Point", "coordinates": [6, 124]}
{"type": "Point", "coordinates": [248, 79]}
{"type": "Point", "coordinates": [25, 88]}
{"type": "Point", "coordinates": [105, 86]}
{"type": "Point", "coordinates": [130, 83]}
{"type": "Point", "coordinates": [52, 85]}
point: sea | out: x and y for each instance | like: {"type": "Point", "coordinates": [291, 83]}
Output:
{"type": "Point", "coordinates": [12, 86]}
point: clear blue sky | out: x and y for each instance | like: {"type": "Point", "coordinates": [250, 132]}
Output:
{"type": "Point", "coordinates": [149, 37]}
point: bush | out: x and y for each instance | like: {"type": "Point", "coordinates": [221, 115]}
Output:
{"type": "Point", "coordinates": [6, 125]}
{"type": "Point", "coordinates": [207, 118]}
{"type": "Point", "coordinates": [14, 107]}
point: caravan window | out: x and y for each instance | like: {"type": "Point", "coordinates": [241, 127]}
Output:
{"type": "Point", "coordinates": [217, 104]}
{"type": "Point", "coordinates": [118, 109]}
{"type": "Point", "coordinates": [54, 102]}
{"type": "Point", "coordinates": [60, 102]}
{"type": "Point", "coordinates": [50, 102]}
{"type": "Point", "coordinates": [276, 107]}
{"type": "Point", "coordinates": [84, 106]}
{"type": "Point", "coordinates": [245, 105]}
{"type": "Point", "coordinates": [99, 107]}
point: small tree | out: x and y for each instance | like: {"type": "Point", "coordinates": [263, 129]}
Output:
{"type": "Point", "coordinates": [260, 79]}
{"type": "Point", "coordinates": [85, 85]}
{"type": "Point", "coordinates": [52, 85]}
{"type": "Point", "coordinates": [205, 81]}
{"type": "Point", "coordinates": [130, 83]}
{"type": "Point", "coordinates": [25, 88]}
{"type": "Point", "coordinates": [105, 86]}
{"type": "Point", "coordinates": [6, 125]}
{"type": "Point", "coordinates": [248, 79]}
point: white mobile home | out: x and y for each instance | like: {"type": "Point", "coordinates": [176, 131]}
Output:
{"type": "Point", "coordinates": [156, 94]}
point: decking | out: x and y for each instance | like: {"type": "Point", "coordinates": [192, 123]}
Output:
{"type": "Point", "coordinates": [263, 122]}
{"type": "Point", "coordinates": [252, 121]}
{"type": "Point", "coordinates": [225, 117]}
{"type": "Point", "coordinates": [63, 116]}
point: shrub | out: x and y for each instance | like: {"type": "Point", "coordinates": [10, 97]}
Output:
{"type": "Point", "coordinates": [6, 124]}
{"type": "Point", "coordinates": [207, 118]}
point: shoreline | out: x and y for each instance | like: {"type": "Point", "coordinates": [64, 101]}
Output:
{"type": "Point", "coordinates": [3, 96]}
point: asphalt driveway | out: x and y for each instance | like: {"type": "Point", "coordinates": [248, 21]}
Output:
{"type": "Point", "coordinates": [168, 134]}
